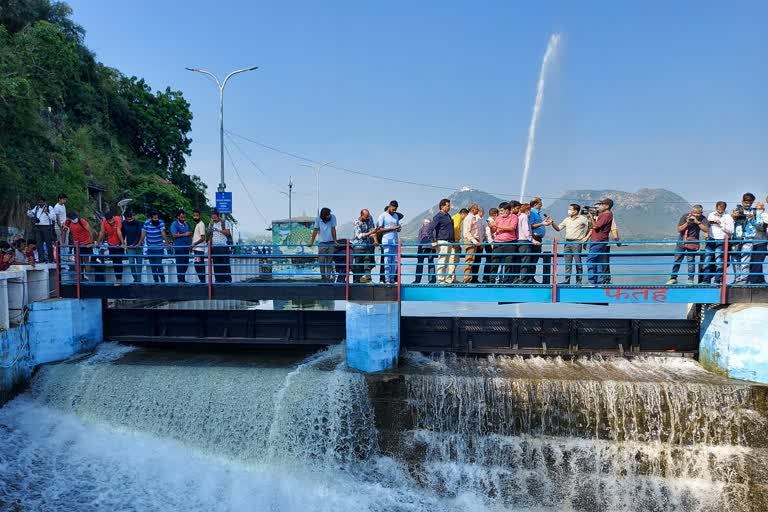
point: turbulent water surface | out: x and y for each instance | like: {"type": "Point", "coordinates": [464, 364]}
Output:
{"type": "Point", "coordinates": [150, 430]}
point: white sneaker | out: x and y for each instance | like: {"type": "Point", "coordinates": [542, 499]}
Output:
{"type": "Point", "coordinates": [672, 281]}
{"type": "Point", "coordinates": [690, 281]}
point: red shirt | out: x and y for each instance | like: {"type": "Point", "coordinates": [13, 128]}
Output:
{"type": "Point", "coordinates": [81, 231]}
{"type": "Point", "coordinates": [113, 230]}
{"type": "Point", "coordinates": [602, 227]}
{"type": "Point", "coordinates": [510, 221]}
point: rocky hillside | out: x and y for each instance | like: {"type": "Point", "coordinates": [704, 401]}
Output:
{"type": "Point", "coordinates": [649, 214]}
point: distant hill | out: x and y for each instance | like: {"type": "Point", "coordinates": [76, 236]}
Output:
{"type": "Point", "coordinates": [649, 214]}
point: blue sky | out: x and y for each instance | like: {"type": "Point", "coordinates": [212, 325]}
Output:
{"type": "Point", "coordinates": [654, 94]}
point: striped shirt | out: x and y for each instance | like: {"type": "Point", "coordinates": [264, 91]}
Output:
{"type": "Point", "coordinates": [153, 235]}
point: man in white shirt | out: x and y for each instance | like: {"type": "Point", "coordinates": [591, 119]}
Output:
{"type": "Point", "coordinates": [44, 219]}
{"type": "Point", "coordinates": [490, 270]}
{"type": "Point", "coordinates": [60, 214]}
{"type": "Point", "coordinates": [720, 225]}
{"type": "Point", "coordinates": [199, 246]}
{"type": "Point", "coordinates": [472, 231]}
{"type": "Point", "coordinates": [577, 230]}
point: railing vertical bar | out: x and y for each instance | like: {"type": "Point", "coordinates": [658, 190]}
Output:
{"type": "Point", "coordinates": [399, 270]}
{"type": "Point", "coordinates": [77, 269]}
{"type": "Point", "coordinates": [554, 271]}
{"type": "Point", "coordinates": [346, 275]}
{"type": "Point", "coordinates": [57, 259]}
{"type": "Point", "coordinates": [210, 270]}
{"type": "Point", "coordinates": [724, 284]}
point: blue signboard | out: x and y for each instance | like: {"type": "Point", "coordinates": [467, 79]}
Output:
{"type": "Point", "coordinates": [224, 202]}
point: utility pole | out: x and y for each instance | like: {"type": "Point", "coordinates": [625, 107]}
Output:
{"type": "Point", "coordinates": [289, 194]}
{"type": "Point", "coordinates": [222, 85]}
{"type": "Point", "coordinates": [317, 169]}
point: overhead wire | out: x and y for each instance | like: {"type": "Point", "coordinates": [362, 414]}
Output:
{"type": "Point", "coordinates": [420, 184]}
{"type": "Point", "coordinates": [247, 192]}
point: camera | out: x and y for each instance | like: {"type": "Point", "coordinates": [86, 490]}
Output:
{"type": "Point", "coordinates": [589, 210]}
{"type": "Point", "coordinates": [739, 214]}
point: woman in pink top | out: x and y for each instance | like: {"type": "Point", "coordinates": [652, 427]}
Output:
{"type": "Point", "coordinates": [505, 241]}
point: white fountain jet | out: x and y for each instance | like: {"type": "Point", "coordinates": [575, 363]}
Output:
{"type": "Point", "coordinates": [554, 42]}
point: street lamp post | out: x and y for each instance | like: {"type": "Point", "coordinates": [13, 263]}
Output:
{"type": "Point", "coordinates": [317, 168]}
{"type": "Point", "coordinates": [221, 84]}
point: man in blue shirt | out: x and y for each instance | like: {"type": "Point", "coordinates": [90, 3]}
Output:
{"type": "Point", "coordinates": [182, 244]}
{"type": "Point", "coordinates": [539, 225]}
{"type": "Point", "coordinates": [389, 229]}
{"type": "Point", "coordinates": [748, 222]}
{"type": "Point", "coordinates": [443, 235]}
{"type": "Point", "coordinates": [153, 235]}
{"type": "Point", "coordinates": [325, 227]}
{"type": "Point", "coordinates": [132, 230]}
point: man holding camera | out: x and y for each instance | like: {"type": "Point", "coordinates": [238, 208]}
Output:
{"type": "Point", "coordinates": [43, 219]}
{"type": "Point", "coordinates": [756, 274]}
{"type": "Point", "coordinates": [720, 226]}
{"type": "Point", "coordinates": [598, 248]}
{"type": "Point", "coordinates": [747, 222]}
{"type": "Point", "coordinates": [689, 229]}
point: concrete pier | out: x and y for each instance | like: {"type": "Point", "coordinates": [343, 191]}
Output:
{"type": "Point", "coordinates": [734, 341]}
{"type": "Point", "coordinates": [373, 335]}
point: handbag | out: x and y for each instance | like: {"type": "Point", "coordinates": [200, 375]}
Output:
{"type": "Point", "coordinates": [690, 245]}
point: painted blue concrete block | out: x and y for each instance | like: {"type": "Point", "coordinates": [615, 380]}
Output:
{"type": "Point", "coordinates": [373, 335]}
{"type": "Point", "coordinates": [54, 330]}
{"type": "Point", "coordinates": [734, 341]}
{"type": "Point", "coordinates": [61, 328]}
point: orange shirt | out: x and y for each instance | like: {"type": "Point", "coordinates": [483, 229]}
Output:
{"type": "Point", "coordinates": [113, 230]}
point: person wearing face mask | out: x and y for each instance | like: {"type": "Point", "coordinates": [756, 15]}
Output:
{"type": "Point", "coordinates": [154, 237]}
{"type": "Point", "coordinates": [82, 238]}
{"type": "Point", "coordinates": [388, 225]}
{"type": "Point", "coordinates": [577, 229]}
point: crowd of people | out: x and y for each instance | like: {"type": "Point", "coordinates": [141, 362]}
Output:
{"type": "Point", "coordinates": [503, 248]}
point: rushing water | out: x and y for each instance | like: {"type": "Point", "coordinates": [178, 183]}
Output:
{"type": "Point", "coordinates": [157, 430]}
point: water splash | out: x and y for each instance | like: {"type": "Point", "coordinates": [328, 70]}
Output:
{"type": "Point", "coordinates": [554, 42]}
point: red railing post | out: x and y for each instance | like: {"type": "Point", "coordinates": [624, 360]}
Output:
{"type": "Point", "coordinates": [399, 272]}
{"type": "Point", "coordinates": [57, 259]}
{"type": "Point", "coordinates": [77, 269]}
{"type": "Point", "coordinates": [554, 271]}
{"type": "Point", "coordinates": [210, 270]}
{"type": "Point", "coordinates": [724, 284]}
{"type": "Point", "coordinates": [346, 275]}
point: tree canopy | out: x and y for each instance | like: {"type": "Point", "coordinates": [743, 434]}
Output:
{"type": "Point", "coordinates": [69, 122]}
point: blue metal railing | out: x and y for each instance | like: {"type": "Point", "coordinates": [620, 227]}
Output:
{"type": "Point", "coordinates": [552, 263]}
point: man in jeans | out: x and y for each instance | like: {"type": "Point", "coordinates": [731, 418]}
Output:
{"type": "Point", "coordinates": [425, 251]}
{"type": "Point", "coordinates": [199, 245]}
{"type": "Point", "coordinates": [720, 226]}
{"type": "Point", "coordinates": [689, 227]}
{"type": "Point", "coordinates": [756, 274]}
{"type": "Point", "coordinates": [112, 229]}
{"type": "Point", "coordinates": [131, 230]}
{"type": "Point", "coordinates": [576, 228]}
{"type": "Point", "coordinates": [153, 234]}
{"type": "Point", "coordinates": [443, 235]}
{"type": "Point", "coordinates": [747, 221]}
{"type": "Point", "coordinates": [182, 245]}
{"type": "Point", "coordinates": [364, 245]}
{"type": "Point", "coordinates": [601, 228]}
{"type": "Point", "coordinates": [389, 227]}
{"type": "Point", "coordinates": [325, 226]}
{"type": "Point", "coordinates": [489, 273]}
{"type": "Point", "coordinates": [539, 223]}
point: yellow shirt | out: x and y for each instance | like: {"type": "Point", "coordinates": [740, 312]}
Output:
{"type": "Point", "coordinates": [456, 226]}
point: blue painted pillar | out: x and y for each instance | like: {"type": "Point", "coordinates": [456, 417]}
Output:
{"type": "Point", "coordinates": [734, 341]}
{"type": "Point", "coordinates": [373, 335]}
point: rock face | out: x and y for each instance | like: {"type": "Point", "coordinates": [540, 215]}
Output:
{"type": "Point", "coordinates": [648, 214]}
